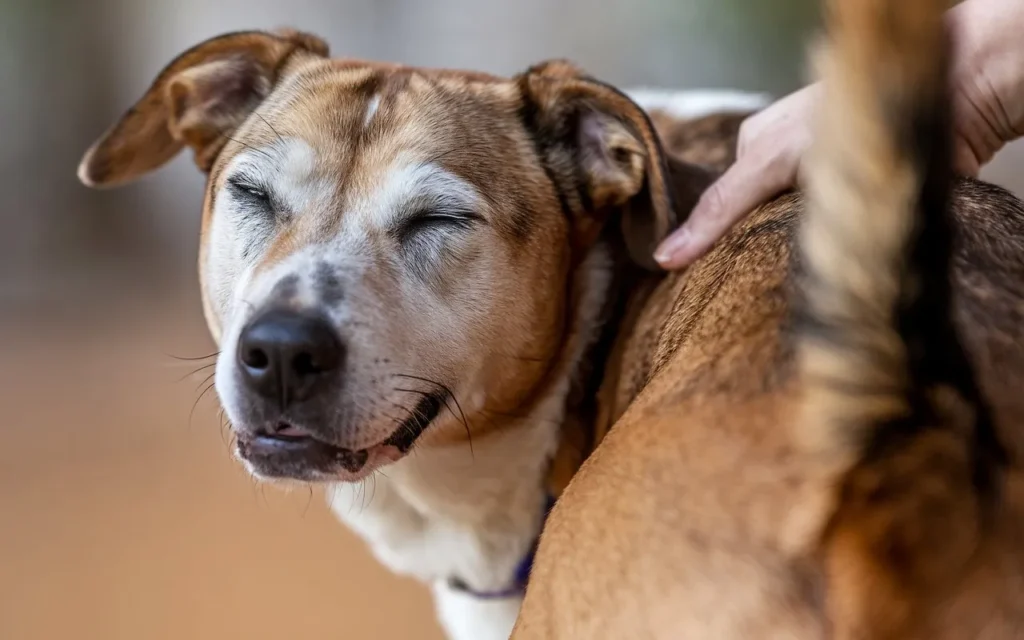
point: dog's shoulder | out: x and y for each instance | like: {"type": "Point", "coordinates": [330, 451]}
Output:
{"type": "Point", "coordinates": [732, 304]}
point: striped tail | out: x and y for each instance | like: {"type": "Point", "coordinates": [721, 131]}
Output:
{"type": "Point", "coordinates": [890, 400]}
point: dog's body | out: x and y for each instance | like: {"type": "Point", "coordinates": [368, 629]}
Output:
{"type": "Point", "coordinates": [696, 505]}
{"type": "Point", "coordinates": [395, 257]}
{"type": "Point", "coordinates": [778, 479]}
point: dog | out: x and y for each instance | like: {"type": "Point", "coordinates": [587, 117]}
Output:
{"type": "Point", "coordinates": [826, 440]}
{"type": "Point", "coordinates": [423, 270]}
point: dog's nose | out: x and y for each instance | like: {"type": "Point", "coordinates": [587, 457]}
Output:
{"type": "Point", "coordinates": [287, 355]}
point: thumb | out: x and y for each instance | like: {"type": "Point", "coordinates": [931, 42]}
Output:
{"type": "Point", "coordinates": [733, 196]}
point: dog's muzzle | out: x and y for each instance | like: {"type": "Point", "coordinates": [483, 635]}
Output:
{"type": "Point", "coordinates": [290, 368]}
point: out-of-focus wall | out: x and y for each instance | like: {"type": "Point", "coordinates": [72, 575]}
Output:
{"type": "Point", "coordinates": [122, 514]}
{"type": "Point", "coordinates": [68, 68]}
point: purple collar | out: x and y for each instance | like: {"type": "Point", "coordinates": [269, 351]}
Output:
{"type": "Point", "coordinates": [522, 574]}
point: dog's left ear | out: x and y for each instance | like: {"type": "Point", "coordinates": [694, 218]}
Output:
{"type": "Point", "coordinates": [604, 155]}
{"type": "Point", "coordinates": [197, 101]}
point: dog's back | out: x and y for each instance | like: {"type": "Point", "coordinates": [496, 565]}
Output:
{"type": "Point", "coordinates": [840, 467]}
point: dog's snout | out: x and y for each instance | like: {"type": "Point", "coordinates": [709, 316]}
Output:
{"type": "Point", "coordinates": [287, 355]}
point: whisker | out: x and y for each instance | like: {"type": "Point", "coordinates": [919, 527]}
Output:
{"type": "Point", "coordinates": [225, 429]}
{"type": "Point", "coordinates": [404, 424]}
{"type": "Point", "coordinates": [309, 501]}
{"type": "Point", "coordinates": [257, 114]}
{"type": "Point", "coordinates": [205, 380]}
{"type": "Point", "coordinates": [196, 403]}
{"type": "Point", "coordinates": [255, 485]}
{"type": "Point", "coordinates": [362, 495]}
{"type": "Point", "coordinates": [195, 371]}
{"type": "Point", "coordinates": [459, 416]}
{"type": "Point", "coordinates": [448, 394]}
{"type": "Point", "coordinates": [465, 422]}
{"type": "Point", "coordinates": [373, 494]}
{"type": "Point", "coordinates": [249, 146]}
{"type": "Point", "coordinates": [206, 357]}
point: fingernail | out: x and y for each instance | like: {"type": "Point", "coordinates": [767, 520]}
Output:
{"type": "Point", "coordinates": [671, 247]}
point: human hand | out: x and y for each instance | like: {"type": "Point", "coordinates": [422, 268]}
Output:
{"type": "Point", "coordinates": [988, 94]}
{"type": "Point", "coordinates": [987, 79]}
{"type": "Point", "coordinates": [769, 146]}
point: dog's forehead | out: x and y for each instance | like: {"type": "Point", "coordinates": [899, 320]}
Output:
{"type": "Point", "coordinates": [358, 119]}
{"type": "Point", "coordinates": [343, 109]}
{"type": "Point", "coordinates": [352, 145]}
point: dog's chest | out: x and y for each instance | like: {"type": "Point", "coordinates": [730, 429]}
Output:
{"type": "Point", "coordinates": [453, 515]}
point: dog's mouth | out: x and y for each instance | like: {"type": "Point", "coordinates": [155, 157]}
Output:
{"type": "Point", "coordinates": [289, 451]}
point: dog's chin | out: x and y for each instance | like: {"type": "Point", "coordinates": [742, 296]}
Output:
{"type": "Point", "coordinates": [293, 453]}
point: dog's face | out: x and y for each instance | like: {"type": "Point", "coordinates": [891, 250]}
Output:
{"type": "Point", "coordinates": [386, 252]}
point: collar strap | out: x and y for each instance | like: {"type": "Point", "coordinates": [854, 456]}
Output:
{"type": "Point", "coordinates": [522, 574]}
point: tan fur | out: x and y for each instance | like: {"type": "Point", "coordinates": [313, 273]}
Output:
{"type": "Point", "coordinates": [736, 497]}
{"type": "Point", "coordinates": [700, 140]}
{"type": "Point", "coordinates": [313, 167]}
{"type": "Point", "coordinates": [862, 190]}
{"type": "Point", "coordinates": [683, 522]}
{"type": "Point", "coordinates": [701, 514]}
{"type": "Point", "coordinates": [428, 113]}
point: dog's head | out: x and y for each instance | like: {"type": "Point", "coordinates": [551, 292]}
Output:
{"type": "Point", "coordinates": [386, 251]}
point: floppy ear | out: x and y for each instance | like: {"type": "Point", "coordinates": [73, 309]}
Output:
{"type": "Point", "coordinates": [604, 155]}
{"type": "Point", "coordinates": [197, 100]}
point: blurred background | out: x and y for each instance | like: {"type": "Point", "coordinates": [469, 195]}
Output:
{"type": "Point", "coordinates": [122, 513]}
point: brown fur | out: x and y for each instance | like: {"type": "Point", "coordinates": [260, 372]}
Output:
{"type": "Point", "coordinates": [748, 492]}
{"type": "Point", "coordinates": [701, 513]}
{"type": "Point", "coordinates": [473, 125]}
{"type": "Point", "coordinates": [700, 140]}
{"type": "Point", "coordinates": [682, 522]}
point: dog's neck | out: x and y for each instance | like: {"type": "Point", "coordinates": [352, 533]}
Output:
{"type": "Point", "coordinates": [616, 367]}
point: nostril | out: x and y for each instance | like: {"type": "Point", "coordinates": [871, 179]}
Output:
{"type": "Point", "coordinates": [303, 364]}
{"type": "Point", "coordinates": [255, 358]}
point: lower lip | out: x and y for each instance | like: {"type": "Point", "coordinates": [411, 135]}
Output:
{"type": "Point", "coordinates": [292, 453]}
{"type": "Point", "coordinates": [270, 453]}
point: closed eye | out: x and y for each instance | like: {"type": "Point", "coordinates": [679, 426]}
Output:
{"type": "Point", "coordinates": [249, 191]}
{"type": "Point", "coordinates": [427, 220]}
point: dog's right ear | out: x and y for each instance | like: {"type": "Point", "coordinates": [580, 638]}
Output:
{"type": "Point", "coordinates": [602, 151]}
{"type": "Point", "coordinates": [198, 100]}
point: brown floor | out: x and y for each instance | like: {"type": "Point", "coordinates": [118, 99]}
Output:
{"type": "Point", "coordinates": [120, 520]}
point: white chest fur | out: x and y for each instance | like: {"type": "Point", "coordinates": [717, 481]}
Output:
{"type": "Point", "coordinates": [452, 513]}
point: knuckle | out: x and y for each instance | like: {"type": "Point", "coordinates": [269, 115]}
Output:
{"type": "Point", "coordinates": [712, 202]}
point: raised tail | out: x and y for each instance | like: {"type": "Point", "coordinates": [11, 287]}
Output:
{"type": "Point", "coordinates": [878, 338]}
{"type": "Point", "coordinates": [891, 405]}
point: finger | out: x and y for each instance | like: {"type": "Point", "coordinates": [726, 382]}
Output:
{"type": "Point", "coordinates": [733, 196]}
{"type": "Point", "coordinates": [965, 162]}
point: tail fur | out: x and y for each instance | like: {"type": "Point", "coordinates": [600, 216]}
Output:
{"type": "Point", "coordinates": [877, 240]}
{"type": "Point", "coordinates": [891, 403]}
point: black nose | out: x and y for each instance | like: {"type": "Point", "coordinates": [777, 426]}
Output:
{"type": "Point", "coordinates": [287, 355]}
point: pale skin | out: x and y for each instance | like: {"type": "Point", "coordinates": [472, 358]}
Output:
{"type": "Point", "coordinates": [988, 81]}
